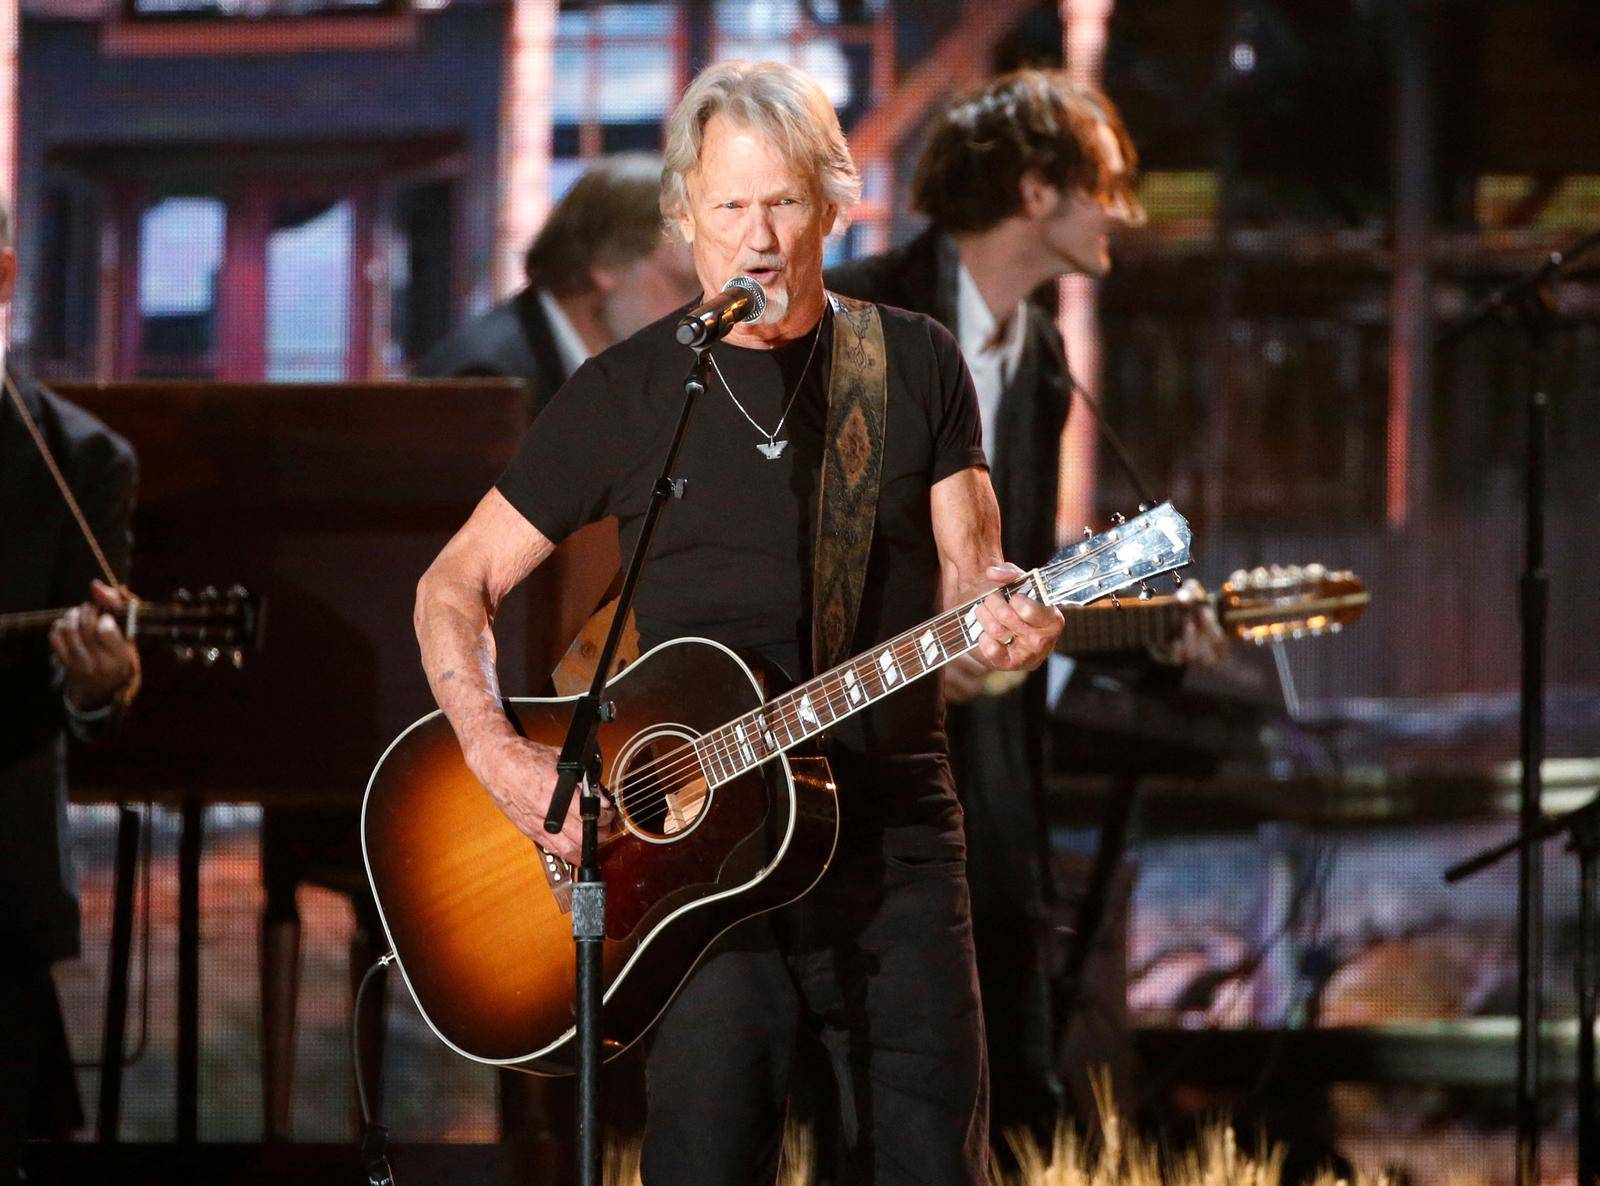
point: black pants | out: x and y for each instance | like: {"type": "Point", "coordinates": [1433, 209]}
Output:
{"type": "Point", "coordinates": [38, 1094]}
{"type": "Point", "coordinates": [994, 751]}
{"type": "Point", "coordinates": [878, 961]}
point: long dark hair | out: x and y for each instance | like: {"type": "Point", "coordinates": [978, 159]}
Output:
{"type": "Point", "coordinates": [1036, 121]}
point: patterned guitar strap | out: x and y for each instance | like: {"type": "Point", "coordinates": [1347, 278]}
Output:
{"type": "Point", "coordinates": [852, 465]}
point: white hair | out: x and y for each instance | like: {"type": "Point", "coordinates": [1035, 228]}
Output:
{"type": "Point", "coordinates": [785, 105]}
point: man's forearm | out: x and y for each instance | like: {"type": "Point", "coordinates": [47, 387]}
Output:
{"type": "Point", "coordinates": [455, 633]}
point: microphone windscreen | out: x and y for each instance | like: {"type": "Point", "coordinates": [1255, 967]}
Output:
{"type": "Point", "coordinates": [758, 302]}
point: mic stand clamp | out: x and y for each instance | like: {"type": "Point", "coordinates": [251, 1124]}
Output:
{"type": "Point", "coordinates": [1583, 831]}
{"type": "Point", "coordinates": [580, 763]}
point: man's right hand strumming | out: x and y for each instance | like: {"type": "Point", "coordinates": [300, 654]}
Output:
{"type": "Point", "coordinates": [520, 776]}
{"type": "Point", "coordinates": [456, 601]}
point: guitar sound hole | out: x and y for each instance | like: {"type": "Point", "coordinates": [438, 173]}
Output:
{"type": "Point", "coordinates": [662, 792]}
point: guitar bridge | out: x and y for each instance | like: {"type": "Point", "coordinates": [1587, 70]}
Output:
{"type": "Point", "coordinates": [559, 875]}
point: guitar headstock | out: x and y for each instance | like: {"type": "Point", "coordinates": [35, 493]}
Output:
{"type": "Point", "coordinates": [1276, 602]}
{"type": "Point", "coordinates": [1129, 553]}
{"type": "Point", "coordinates": [209, 626]}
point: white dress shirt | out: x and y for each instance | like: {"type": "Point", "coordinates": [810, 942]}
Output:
{"type": "Point", "coordinates": [993, 353]}
{"type": "Point", "coordinates": [568, 344]}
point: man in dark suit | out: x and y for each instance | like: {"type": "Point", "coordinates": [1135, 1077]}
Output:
{"type": "Point", "coordinates": [600, 269]}
{"type": "Point", "coordinates": [1023, 180]}
{"type": "Point", "coordinates": [80, 679]}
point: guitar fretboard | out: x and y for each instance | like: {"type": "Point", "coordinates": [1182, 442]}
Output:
{"type": "Point", "coordinates": [1099, 628]}
{"type": "Point", "coordinates": [222, 621]}
{"type": "Point", "coordinates": [787, 720]}
{"type": "Point", "coordinates": [39, 619]}
{"type": "Point", "coordinates": [1156, 542]}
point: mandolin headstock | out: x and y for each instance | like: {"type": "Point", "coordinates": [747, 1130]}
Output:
{"type": "Point", "coordinates": [1278, 602]}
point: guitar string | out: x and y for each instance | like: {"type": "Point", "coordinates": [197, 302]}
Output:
{"type": "Point", "coordinates": [687, 758]}
{"type": "Point", "coordinates": [767, 719]}
{"type": "Point", "coordinates": [727, 762]}
{"type": "Point", "coordinates": [687, 762]}
{"type": "Point", "coordinates": [725, 752]}
{"type": "Point", "coordinates": [740, 765]}
{"type": "Point", "coordinates": [148, 612]}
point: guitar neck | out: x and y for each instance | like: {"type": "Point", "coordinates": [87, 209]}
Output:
{"type": "Point", "coordinates": [807, 710]}
{"type": "Point", "coordinates": [1101, 628]}
{"type": "Point", "coordinates": [150, 619]}
{"type": "Point", "coordinates": [24, 621]}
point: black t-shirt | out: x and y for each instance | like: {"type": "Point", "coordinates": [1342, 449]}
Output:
{"type": "Point", "coordinates": [731, 560]}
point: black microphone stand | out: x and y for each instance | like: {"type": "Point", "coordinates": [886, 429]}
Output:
{"type": "Point", "coordinates": [1530, 302]}
{"type": "Point", "coordinates": [1583, 828]}
{"type": "Point", "coordinates": [580, 759]}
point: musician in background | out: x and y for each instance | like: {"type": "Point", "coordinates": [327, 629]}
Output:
{"type": "Point", "coordinates": [878, 958]}
{"type": "Point", "coordinates": [599, 269]}
{"type": "Point", "coordinates": [80, 679]}
{"type": "Point", "coordinates": [1023, 181]}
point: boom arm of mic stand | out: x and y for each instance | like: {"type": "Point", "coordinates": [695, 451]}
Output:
{"type": "Point", "coordinates": [1513, 299]}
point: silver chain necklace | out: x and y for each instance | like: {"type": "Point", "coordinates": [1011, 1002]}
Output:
{"type": "Point", "coordinates": [772, 448]}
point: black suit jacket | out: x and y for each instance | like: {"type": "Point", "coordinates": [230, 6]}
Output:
{"type": "Point", "coordinates": [44, 563]}
{"type": "Point", "coordinates": [996, 743]}
{"type": "Point", "coordinates": [513, 340]}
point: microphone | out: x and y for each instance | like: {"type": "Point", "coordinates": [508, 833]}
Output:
{"type": "Point", "coordinates": [741, 299]}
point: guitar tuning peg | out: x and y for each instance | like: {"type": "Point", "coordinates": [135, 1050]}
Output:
{"type": "Point", "coordinates": [1115, 603]}
{"type": "Point", "coordinates": [1088, 533]}
{"type": "Point", "coordinates": [1143, 507]}
{"type": "Point", "coordinates": [183, 654]}
{"type": "Point", "coordinates": [236, 657]}
{"type": "Point", "coordinates": [1144, 591]}
{"type": "Point", "coordinates": [1118, 518]}
{"type": "Point", "coordinates": [1177, 580]}
{"type": "Point", "coordinates": [1238, 577]}
{"type": "Point", "coordinates": [210, 655]}
{"type": "Point", "coordinates": [183, 595]}
{"type": "Point", "coordinates": [209, 593]}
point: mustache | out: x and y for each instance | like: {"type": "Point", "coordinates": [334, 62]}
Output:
{"type": "Point", "coordinates": [761, 261]}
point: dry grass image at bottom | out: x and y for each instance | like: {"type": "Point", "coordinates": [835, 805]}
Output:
{"type": "Point", "coordinates": [1115, 1157]}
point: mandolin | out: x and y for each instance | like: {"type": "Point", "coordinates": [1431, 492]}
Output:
{"type": "Point", "coordinates": [717, 819]}
{"type": "Point", "coordinates": [1260, 606]}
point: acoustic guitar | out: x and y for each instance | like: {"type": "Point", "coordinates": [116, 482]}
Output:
{"type": "Point", "coordinates": [717, 819]}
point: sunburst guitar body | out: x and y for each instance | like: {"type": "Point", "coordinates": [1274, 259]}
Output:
{"type": "Point", "coordinates": [480, 917]}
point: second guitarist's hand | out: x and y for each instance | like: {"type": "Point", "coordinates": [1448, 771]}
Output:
{"type": "Point", "coordinates": [98, 663]}
{"type": "Point", "coordinates": [1201, 642]}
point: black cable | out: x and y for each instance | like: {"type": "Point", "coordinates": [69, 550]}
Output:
{"type": "Point", "coordinates": [1109, 435]}
{"type": "Point", "coordinates": [374, 1137]}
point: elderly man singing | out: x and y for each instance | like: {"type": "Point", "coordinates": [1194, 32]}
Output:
{"type": "Point", "coordinates": [878, 958]}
